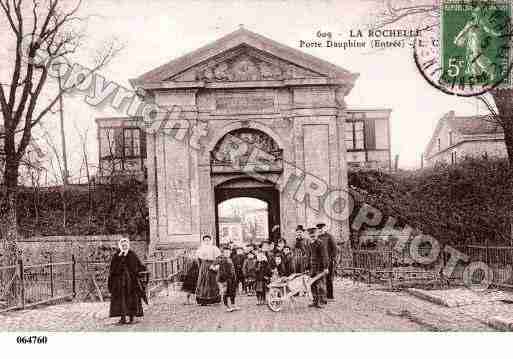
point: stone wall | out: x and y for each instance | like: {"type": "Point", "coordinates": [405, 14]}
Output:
{"type": "Point", "coordinates": [85, 248]}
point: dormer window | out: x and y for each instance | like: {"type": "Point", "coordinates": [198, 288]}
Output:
{"type": "Point", "coordinates": [450, 138]}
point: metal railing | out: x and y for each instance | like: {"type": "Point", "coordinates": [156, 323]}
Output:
{"type": "Point", "coordinates": [397, 268]}
{"type": "Point", "coordinates": [27, 285]}
{"type": "Point", "coordinates": [499, 260]}
{"type": "Point", "coordinates": [23, 286]}
{"type": "Point", "coordinates": [9, 287]}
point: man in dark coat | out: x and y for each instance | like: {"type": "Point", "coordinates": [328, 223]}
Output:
{"type": "Point", "coordinates": [238, 262]}
{"type": "Point", "coordinates": [331, 246]}
{"type": "Point", "coordinates": [318, 265]}
{"type": "Point", "coordinates": [124, 284]}
{"type": "Point", "coordinates": [301, 251]}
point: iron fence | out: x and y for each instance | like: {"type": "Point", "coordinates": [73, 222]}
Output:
{"type": "Point", "coordinates": [23, 286]}
{"type": "Point", "coordinates": [9, 287]}
{"type": "Point", "coordinates": [499, 260]}
{"type": "Point", "coordinates": [398, 269]}
{"type": "Point", "coordinates": [162, 272]}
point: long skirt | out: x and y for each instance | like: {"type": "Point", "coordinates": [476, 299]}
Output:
{"type": "Point", "coordinates": [124, 300]}
{"type": "Point", "coordinates": [207, 290]}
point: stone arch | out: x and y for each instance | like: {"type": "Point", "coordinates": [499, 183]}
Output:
{"type": "Point", "coordinates": [220, 133]}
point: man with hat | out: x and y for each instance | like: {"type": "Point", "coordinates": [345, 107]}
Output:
{"type": "Point", "coordinates": [301, 250]}
{"type": "Point", "coordinates": [331, 247]}
{"type": "Point", "coordinates": [318, 265]}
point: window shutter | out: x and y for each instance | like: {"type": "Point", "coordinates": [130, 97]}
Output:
{"type": "Point", "coordinates": [370, 134]}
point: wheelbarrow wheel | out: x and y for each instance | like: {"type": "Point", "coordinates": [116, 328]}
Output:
{"type": "Point", "coordinates": [275, 299]}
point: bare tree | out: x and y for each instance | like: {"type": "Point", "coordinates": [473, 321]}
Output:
{"type": "Point", "coordinates": [86, 164]}
{"type": "Point", "coordinates": [58, 171]}
{"type": "Point", "coordinates": [426, 14]}
{"type": "Point", "coordinates": [50, 28]}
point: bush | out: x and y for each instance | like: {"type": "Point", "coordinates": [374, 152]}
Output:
{"type": "Point", "coordinates": [106, 209]}
{"type": "Point", "coordinates": [457, 204]}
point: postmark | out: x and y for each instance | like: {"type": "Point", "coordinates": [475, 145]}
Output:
{"type": "Point", "coordinates": [468, 52]}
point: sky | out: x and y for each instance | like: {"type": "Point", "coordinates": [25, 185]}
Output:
{"type": "Point", "coordinates": [156, 31]}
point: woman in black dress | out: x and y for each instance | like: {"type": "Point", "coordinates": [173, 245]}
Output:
{"type": "Point", "coordinates": [125, 285]}
{"type": "Point", "coordinates": [207, 290]}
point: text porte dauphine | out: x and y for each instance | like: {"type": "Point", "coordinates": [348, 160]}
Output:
{"type": "Point", "coordinates": [358, 38]}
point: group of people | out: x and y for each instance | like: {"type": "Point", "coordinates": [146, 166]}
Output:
{"type": "Point", "coordinates": [216, 275]}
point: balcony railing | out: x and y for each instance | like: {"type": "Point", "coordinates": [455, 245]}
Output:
{"type": "Point", "coordinates": [244, 163]}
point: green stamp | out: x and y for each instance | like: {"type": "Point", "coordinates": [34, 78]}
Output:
{"type": "Point", "coordinates": [475, 41]}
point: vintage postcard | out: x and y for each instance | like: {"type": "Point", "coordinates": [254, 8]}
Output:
{"type": "Point", "coordinates": [255, 166]}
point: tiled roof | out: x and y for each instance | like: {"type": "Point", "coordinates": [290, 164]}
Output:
{"type": "Point", "coordinates": [474, 125]}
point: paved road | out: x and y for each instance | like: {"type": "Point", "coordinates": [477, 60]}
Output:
{"type": "Point", "coordinates": [358, 308]}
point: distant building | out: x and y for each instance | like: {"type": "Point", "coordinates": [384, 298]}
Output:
{"type": "Point", "coordinates": [457, 137]}
{"type": "Point", "coordinates": [256, 227]}
{"type": "Point", "coordinates": [367, 138]}
{"type": "Point", "coordinates": [121, 149]}
{"type": "Point", "coordinates": [230, 230]}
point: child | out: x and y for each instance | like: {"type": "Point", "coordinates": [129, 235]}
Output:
{"type": "Point", "coordinates": [226, 279]}
{"type": "Point", "coordinates": [249, 273]}
{"type": "Point", "coordinates": [263, 276]}
{"type": "Point", "coordinates": [190, 279]}
{"type": "Point", "coordinates": [288, 261]}
{"type": "Point", "coordinates": [268, 250]}
{"type": "Point", "coordinates": [279, 266]}
{"type": "Point", "coordinates": [238, 263]}
{"type": "Point", "coordinates": [281, 245]}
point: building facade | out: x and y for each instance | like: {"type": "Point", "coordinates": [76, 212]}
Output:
{"type": "Point", "coordinates": [121, 149]}
{"type": "Point", "coordinates": [457, 137]}
{"type": "Point", "coordinates": [230, 230]}
{"type": "Point", "coordinates": [272, 124]}
{"type": "Point", "coordinates": [367, 139]}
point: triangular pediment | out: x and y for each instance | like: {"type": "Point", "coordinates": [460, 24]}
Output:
{"type": "Point", "coordinates": [244, 63]}
{"type": "Point", "coordinates": [244, 56]}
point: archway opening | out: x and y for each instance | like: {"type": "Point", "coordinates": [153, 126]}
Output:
{"type": "Point", "coordinates": [261, 197]}
{"type": "Point", "coordinates": [243, 220]}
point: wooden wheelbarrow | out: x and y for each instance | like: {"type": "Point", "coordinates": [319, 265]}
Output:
{"type": "Point", "coordinates": [285, 289]}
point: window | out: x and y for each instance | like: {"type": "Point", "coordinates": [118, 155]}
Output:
{"type": "Point", "coordinates": [354, 136]}
{"type": "Point", "coordinates": [131, 144]}
{"type": "Point", "coordinates": [439, 145]}
{"type": "Point", "coordinates": [121, 143]}
{"type": "Point", "coordinates": [453, 157]}
{"type": "Point", "coordinates": [450, 138]}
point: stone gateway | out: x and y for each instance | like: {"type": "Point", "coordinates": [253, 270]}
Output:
{"type": "Point", "coordinates": [274, 102]}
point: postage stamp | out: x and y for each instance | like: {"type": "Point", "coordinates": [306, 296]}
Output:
{"type": "Point", "coordinates": [471, 48]}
